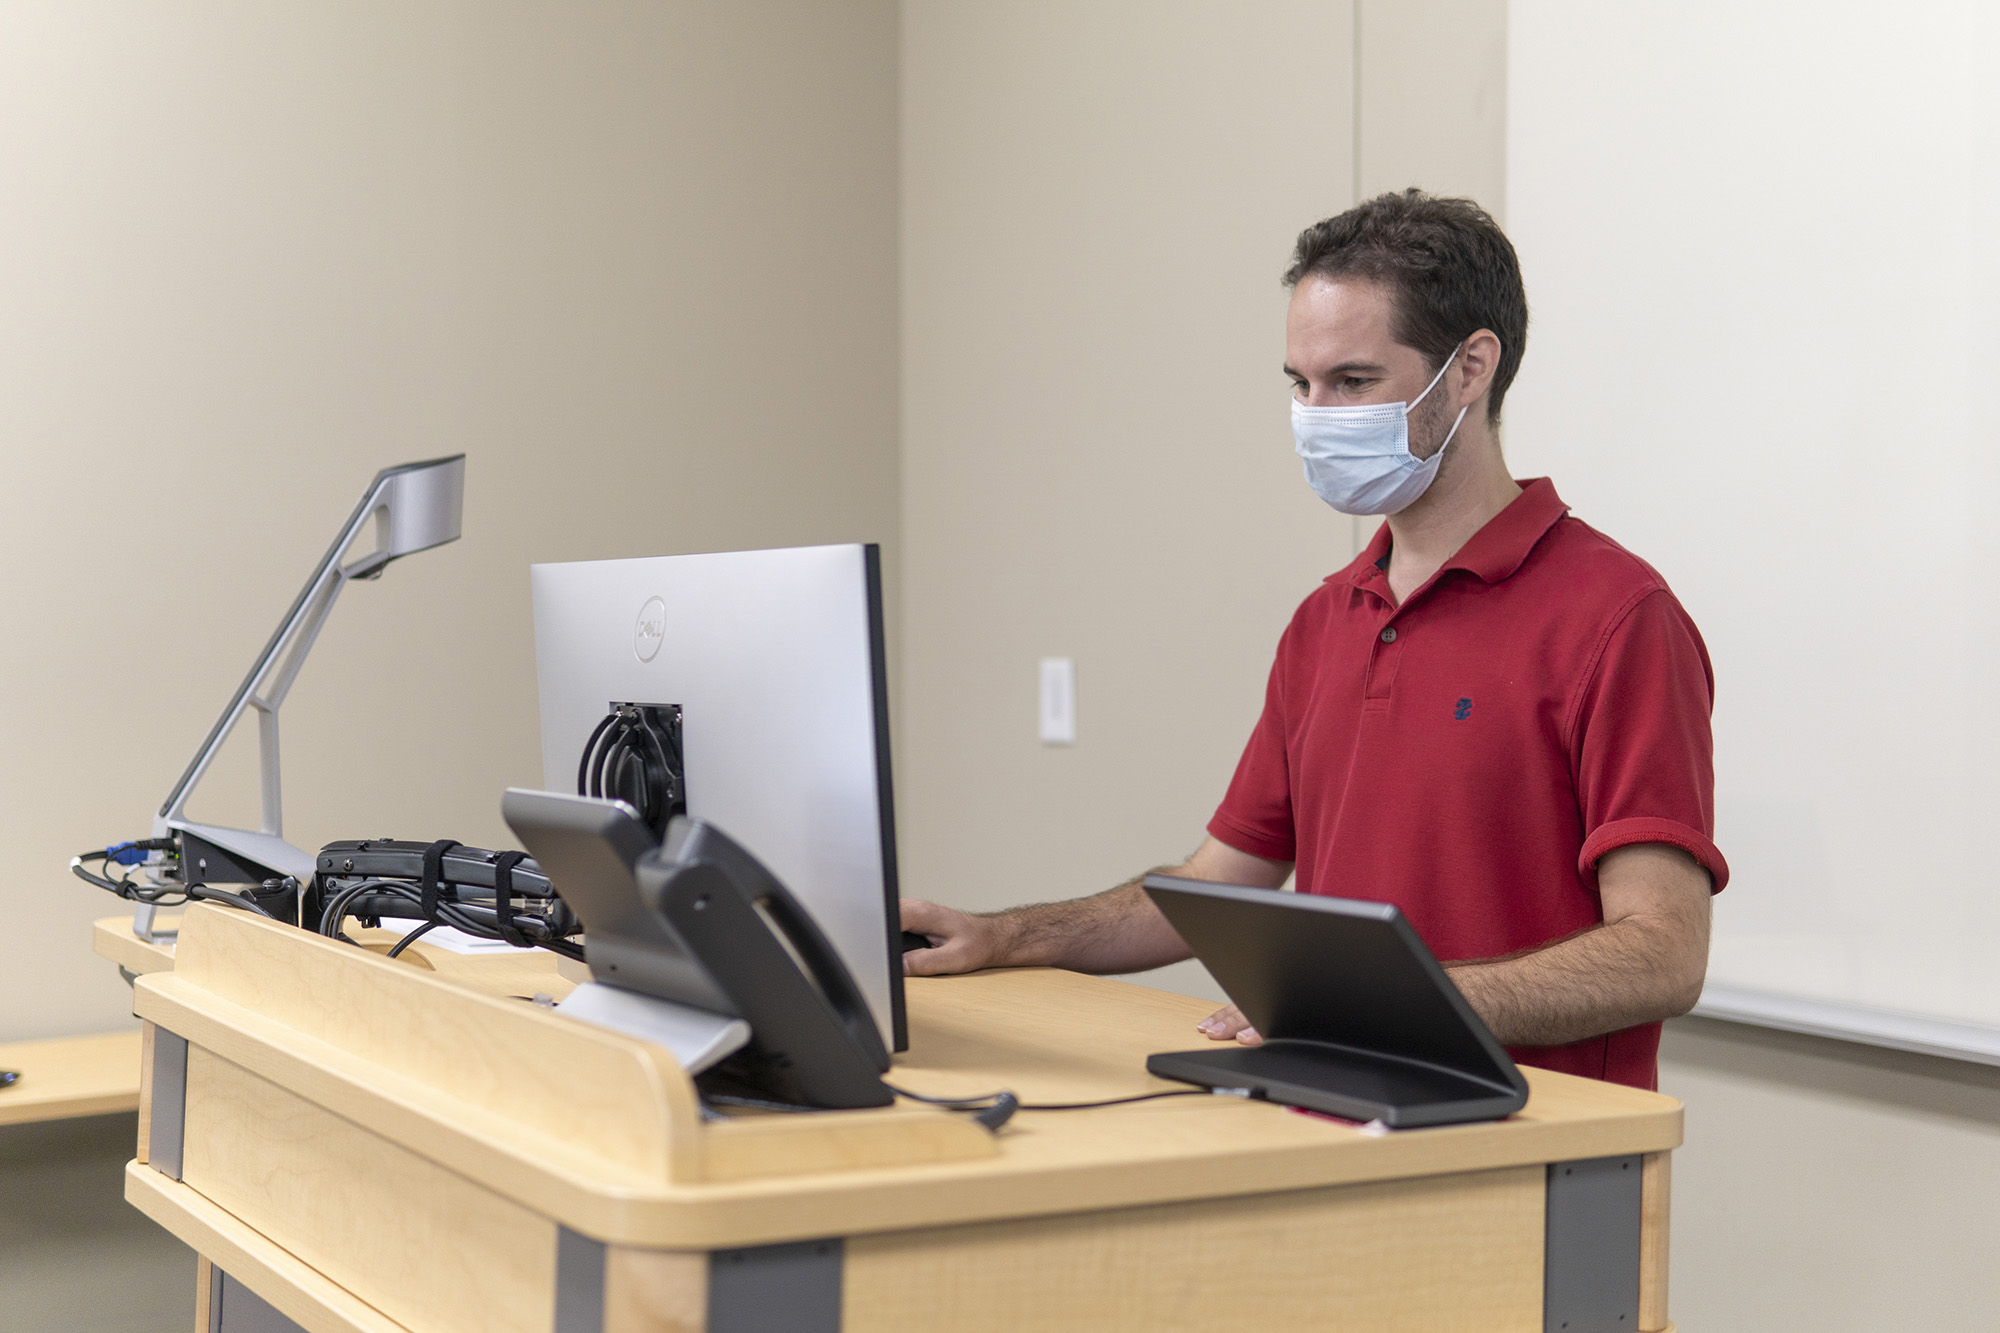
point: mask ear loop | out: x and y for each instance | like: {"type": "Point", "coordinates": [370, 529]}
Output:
{"type": "Point", "coordinates": [1454, 430]}
{"type": "Point", "coordinates": [1453, 433]}
{"type": "Point", "coordinates": [1434, 383]}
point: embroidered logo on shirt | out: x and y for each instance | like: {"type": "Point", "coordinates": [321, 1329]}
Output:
{"type": "Point", "coordinates": [1462, 710]}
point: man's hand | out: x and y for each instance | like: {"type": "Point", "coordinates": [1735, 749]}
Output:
{"type": "Point", "coordinates": [1116, 931]}
{"type": "Point", "coordinates": [1227, 1024]}
{"type": "Point", "coordinates": [960, 942]}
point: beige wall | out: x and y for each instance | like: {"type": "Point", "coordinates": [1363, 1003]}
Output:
{"type": "Point", "coordinates": [637, 260]}
{"type": "Point", "coordinates": [1830, 1186]}
{"type": "Point", "coordinates": [1432, 98]}
{"type": "Point", "coordinates": [1098, 201]}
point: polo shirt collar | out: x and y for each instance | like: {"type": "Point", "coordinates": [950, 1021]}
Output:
{"type": "Point", "coordinates": [1493, 553]}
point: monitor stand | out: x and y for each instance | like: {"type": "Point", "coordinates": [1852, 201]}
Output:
{"type": "Point", "coordinates": [1343, 1081]}
{"type": "Point", "coordinates": [697, 1037]}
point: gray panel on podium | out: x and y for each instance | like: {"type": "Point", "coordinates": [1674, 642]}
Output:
{"type": "Point", "coordinates": [166, 1112]}
{"type": "Point", "coordinates": [1591, 1263]}
{"type": "Point", "coordinates": [234, 1308]}
{"type": "Point", "coordinates": [579, 1283]}
{"type": "Point", "coordinates": [795, 1287]}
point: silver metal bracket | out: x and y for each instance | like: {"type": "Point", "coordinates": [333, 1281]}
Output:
{"type": "Point", "coordinates": [143, 918]}
{"type": "Point", "coordinates": [411, 508]}
{"type": "Point", "coordinates": [234, 1308]}
{"type": "Point", "coordinates": [166, 1113]}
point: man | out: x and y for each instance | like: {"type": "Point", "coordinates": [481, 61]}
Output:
{"type": "Point", "coordinates": [1495, 717]}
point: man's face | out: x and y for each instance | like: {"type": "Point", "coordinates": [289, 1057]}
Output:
{"type": "Point", "coordinates": [1339, 352]}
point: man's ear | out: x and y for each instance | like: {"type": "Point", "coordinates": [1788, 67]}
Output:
{"type": "Point", "coordinates": [1478, 363]}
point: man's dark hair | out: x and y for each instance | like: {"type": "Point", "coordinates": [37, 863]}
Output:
{"type": "Point", "coordinates": [1449, 269]}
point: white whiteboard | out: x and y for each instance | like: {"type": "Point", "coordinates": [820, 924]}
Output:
{"type": "Point", "coordinates": [1760, 249]}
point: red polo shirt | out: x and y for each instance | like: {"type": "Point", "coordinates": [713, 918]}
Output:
{"type": "Point", "coordinates": [1470, 754]}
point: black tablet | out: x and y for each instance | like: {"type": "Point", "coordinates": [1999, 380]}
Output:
{"type": "Point", "coordinates": [1358, 1018]}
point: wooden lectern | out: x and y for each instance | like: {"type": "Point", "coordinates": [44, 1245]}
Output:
{"type": "Point", "coordinates": [354, 1143]}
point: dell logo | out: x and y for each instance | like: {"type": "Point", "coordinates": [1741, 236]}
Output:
{"type": "Point", "coordinates": [651, 631]}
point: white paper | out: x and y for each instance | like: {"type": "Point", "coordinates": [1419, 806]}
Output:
{"type": "Point", "coordinates": [449, 938]}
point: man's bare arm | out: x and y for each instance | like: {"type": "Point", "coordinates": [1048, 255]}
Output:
{"type": "Point", "coordinates": [1116, 931]}
{"type": "Point", "coordinates": [1645, 963]}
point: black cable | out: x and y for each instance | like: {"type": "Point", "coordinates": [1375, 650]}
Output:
{"type": "Point", "coordinates": [124, 886]}
{"type": "Point", "coordinates": [974, 1103]}
{"type": "Point", "coordinates": [166, 895]}
{"type": "Point", "coordinates": [991, 1110]}
{"type": "Point", "coordinates": [209, 893]}
{"type": "Point", "coordinates": [478, 921]}
{"type": "Point", "coordinates": [412, 937]}
{"type": "Point", "coordinates": [336, 908]}
{"type": "Point", "coordinates": [1117, 1101]}
{"type": "Point", "coordinates": [655, 811]}
{"type": "Point", "coordinates": [634, 755]}
{"type": "Point", "coordinates": [76, 864]}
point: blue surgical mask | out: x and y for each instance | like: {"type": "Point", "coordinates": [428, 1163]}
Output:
{"type": "Point", "coordinates": [1358, 458]}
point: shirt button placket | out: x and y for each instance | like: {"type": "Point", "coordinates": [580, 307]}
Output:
{"type": "Point", "coordinates": [1382, 668]}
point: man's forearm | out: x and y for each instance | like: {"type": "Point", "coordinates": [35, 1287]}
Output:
{"type": "Point", "coordinates": [1116, 931]}
{"type": "Point", "coordinates": [1615, 976]}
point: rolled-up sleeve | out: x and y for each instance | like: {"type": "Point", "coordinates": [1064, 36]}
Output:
{"type": "Point", "coordinates": [1641, 744]}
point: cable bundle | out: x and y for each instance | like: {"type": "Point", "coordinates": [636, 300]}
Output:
{"type": "Point", "coordinates": [634, 756]}
{"type": "Point", "coordinates": [258, 898]}
{"type": "Point", "coordinates": [489, 895]}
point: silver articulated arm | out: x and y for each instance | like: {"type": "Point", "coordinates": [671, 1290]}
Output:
{"type": "Point", "coordinates": [411, 508]}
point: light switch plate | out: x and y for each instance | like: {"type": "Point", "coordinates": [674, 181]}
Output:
{"type": "Point", "coordinates": [1058, 726]}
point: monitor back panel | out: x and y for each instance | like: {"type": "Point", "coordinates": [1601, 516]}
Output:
{"type": "Point", "coordinates": [769, 655]}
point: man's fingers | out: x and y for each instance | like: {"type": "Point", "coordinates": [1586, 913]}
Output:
{"type": "Point", "coordinates": [1224, 1024]}
{"type": "Point", "coordinates": [931, 962]}
{"type": "Point", "coordinates": [927, 918]}
{"type": "Point", "coordinates": [1229, 1024]}
{"type": "Point", "coordinates": [955, 941]}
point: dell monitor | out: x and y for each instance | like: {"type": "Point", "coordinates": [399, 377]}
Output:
{"type": "Point", "coordinates": [747, 690]}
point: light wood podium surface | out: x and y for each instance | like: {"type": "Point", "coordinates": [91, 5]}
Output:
{"type": "Point", "coordinates": [354, 1143]}
{"type": "Point", "coordinates": [68, 1077]}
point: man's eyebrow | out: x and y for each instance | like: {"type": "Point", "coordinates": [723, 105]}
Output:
{"type": "Point", "coordinates": [1367, 367]}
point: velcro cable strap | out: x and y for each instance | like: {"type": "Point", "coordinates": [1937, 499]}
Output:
{"type": "Point", "coordinates": [503, 898]}
{"type": "Point", "coordinates": [433, 873]}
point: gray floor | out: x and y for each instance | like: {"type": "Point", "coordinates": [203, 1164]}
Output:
{"type": "Point", "coordinates": [74, 1256]}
